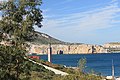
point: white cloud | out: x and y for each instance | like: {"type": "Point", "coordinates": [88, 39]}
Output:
{"type": "Point", "coordinates": [82, 25]}
{"type": "Point", "coordinates": [100, 18]}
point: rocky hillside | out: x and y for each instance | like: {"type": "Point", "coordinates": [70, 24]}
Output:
{"type": "Point", "coordinates": [40, 45]}
{"type": "Point", "coordinates": [42, 38]}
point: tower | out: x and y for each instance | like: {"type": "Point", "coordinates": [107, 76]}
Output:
{"type": "Point", "coordinates": [49, 53]}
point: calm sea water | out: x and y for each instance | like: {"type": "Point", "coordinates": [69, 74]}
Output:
{"type": "Point", "coordinates": [100, 63]}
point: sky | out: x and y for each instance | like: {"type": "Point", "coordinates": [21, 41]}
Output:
{"type": "Point", "coordinates": [82, 21]}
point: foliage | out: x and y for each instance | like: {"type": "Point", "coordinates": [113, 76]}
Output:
{"type": "Point", "coordinates": [74, 74]}
{"type": "Point", "coordinates": [16, 26]}
{"type": "Point", "coordinates": [12, 62]}
{"type": "Point", "coordinates": [37, 73]}
{"type": "Point", "coordinates": [81, 64]}
{"type": "Point", "coordinates": [42, 38]}
{"type": "Point", "coordinates": [19, 17]}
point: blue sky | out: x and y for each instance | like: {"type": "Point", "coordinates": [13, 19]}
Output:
{"type": "Point", "coordinates": [82, 21]}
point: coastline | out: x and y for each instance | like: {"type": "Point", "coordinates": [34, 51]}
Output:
{"type": "Point", "coordinates": [98, 62]}
{"type": "Point", "coordinates": [39, 54]}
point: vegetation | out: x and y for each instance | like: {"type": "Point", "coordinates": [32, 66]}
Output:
{"type": "Point", "coordinates": [37, 73]}
{"type": "Point", "coordinates": [12, 62]}
{"type": "Point", "coordinates": [81, 64]}
{"type": "Point", "coordinates": [74, 74]}
{"type": "Point", "coordinates": [16, 26]}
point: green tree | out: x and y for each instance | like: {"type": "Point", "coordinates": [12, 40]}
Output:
{"type": "Point", "coordinates": [19, 17]}
{"type": "Point", "coordinates": [16, 26]}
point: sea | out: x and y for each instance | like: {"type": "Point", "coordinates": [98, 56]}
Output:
{"type": "Point", "coordinates": [100, 64]}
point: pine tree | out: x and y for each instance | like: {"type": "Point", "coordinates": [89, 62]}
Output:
{"type": "Point", "coordinates": [16, 26]}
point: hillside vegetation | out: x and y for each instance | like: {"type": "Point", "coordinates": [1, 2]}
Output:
{"type": "Point", "coordinates": [42, 38]}
{"type": "Point", "coordinates": [40, 73]}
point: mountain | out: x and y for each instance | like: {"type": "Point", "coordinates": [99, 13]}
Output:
{"type": "Point", "coordinates": [42, 38]}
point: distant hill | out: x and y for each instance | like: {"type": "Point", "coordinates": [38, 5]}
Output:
{"type": "Point", "coordinates": [42, 38]}
{"type": "Point", "coordinates": [112, 47]}
{"type": "Point", "coordinates": [114, 43]}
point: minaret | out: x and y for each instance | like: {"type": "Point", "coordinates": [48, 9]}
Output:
{"type": "Point", "coordinates": [50, 53]}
